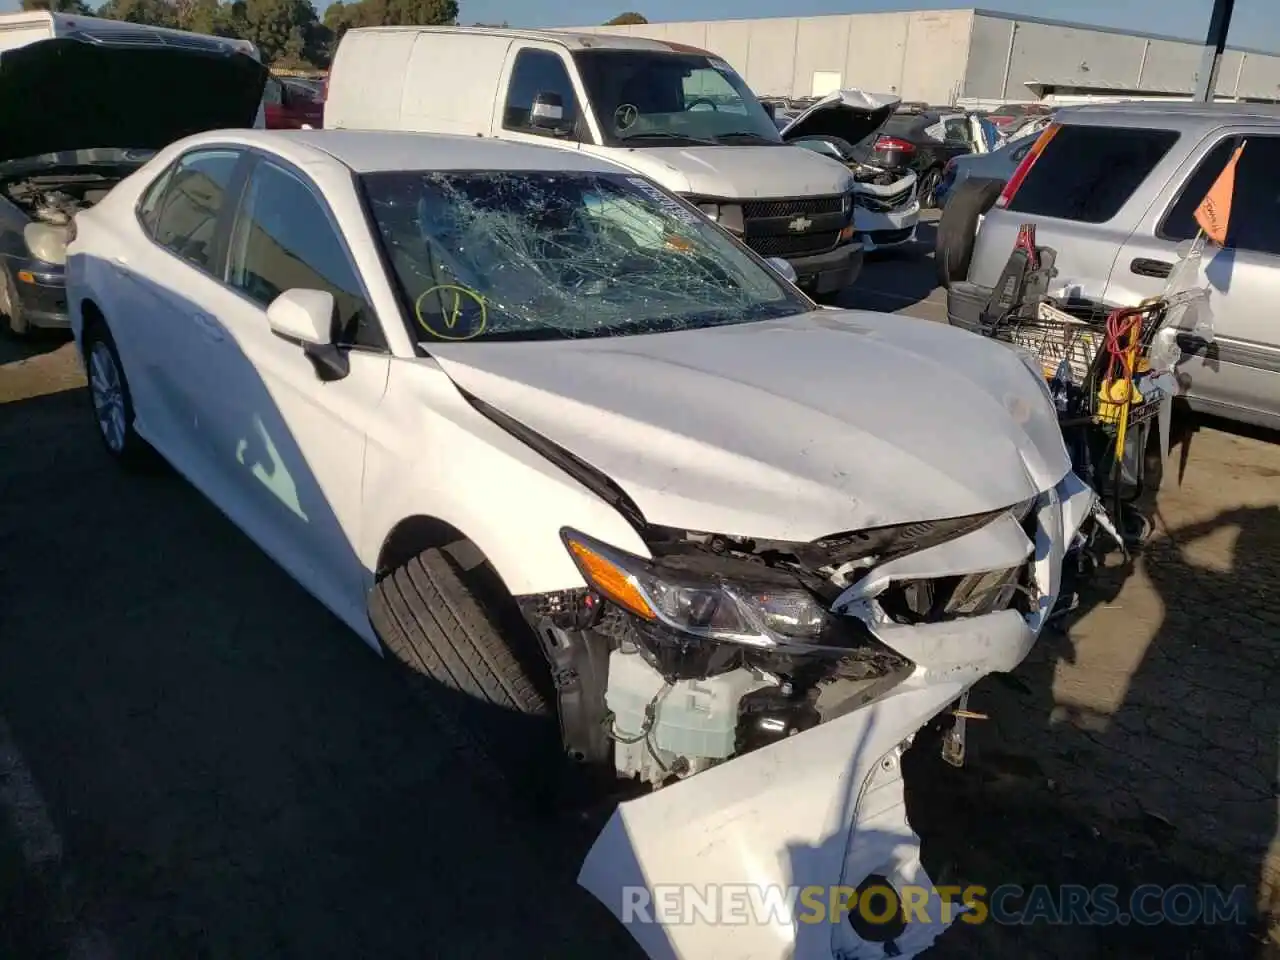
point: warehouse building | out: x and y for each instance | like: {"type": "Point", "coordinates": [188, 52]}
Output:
{"type": "Point", "coordinates": [975, 57]}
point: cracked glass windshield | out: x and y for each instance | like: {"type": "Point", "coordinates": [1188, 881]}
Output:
{"type": "Point", "coordinates": [645, 98]}
{"type": "Point", "coordinates": [533, 255]}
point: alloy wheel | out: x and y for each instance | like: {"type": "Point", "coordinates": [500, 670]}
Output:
{"type": "Point", "coordinates": [106, 388]}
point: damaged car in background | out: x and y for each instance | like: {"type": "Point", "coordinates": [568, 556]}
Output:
{"type": "Point", "coordinates": [55, 163]}
{"type": "Point", "coordinates": [845, 126]}
{"type": "Point", "coordinates": [753, 551]}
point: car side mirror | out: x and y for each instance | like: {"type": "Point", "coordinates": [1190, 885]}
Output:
{"type": "Point", "coordinates": [783, 268]}
{"type": "Point", "coordinates": [306, 317]}
{"type": "Point", "coordinates": [772, 110]}
{"type": "Point", "coordinates": [547, 112]}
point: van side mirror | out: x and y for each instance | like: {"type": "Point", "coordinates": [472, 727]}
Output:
{"type": "Point", "coordinates": [547, 113]}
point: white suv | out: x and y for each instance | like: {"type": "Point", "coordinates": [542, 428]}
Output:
{"type": "Point", "coordinates": [756, 544]}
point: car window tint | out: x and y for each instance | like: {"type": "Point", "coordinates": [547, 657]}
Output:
{"type": "Point", "coordinates": [149, 207]}
{"type": "Point", "coordinates": [535, 72]}
{"type": "Point", "coordinates": [1255, 205]}
{"type": "Point", "coordinates": [188, 218]}
{"type": "Point", "coordinates": [283, 240]}
{"type": "Point", "coordinates": [1087, 173]}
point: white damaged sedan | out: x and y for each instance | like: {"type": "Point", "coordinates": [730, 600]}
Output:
{"type": "Point", "coordinates": [757, 545]}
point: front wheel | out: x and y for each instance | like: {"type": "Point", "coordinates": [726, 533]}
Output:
{"type": "Point", "coordinates": [928, 190]}
{"type": "Point", "coordinates": [110, 396]}
{"type": "Point", "coordinates": [11, 321]}
{"type": "Point", "coordinates": [452, 644]}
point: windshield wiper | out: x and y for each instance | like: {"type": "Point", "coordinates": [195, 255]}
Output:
{"type": "Point", "coordinates": [748, 135]}
{"type": "Point", "coordinates": [663, 135]}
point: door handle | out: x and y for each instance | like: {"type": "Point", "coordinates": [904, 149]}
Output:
{"type": "Point", "coordinates": [209, 328]}
{"type": "Point", "coordinates": [1144, 267]}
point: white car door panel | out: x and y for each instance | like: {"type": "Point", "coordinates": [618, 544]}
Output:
{"type": "Point", "coordinates": [164, 284]}
{"type": "Point", "coordinates": [290, 446]}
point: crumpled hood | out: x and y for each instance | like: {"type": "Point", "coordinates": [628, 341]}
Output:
{"type": "Point", "coordinates": [851, 114]}
{"type": "Point", "coordinates": [68, 93]}
{"type": "Point", "coordinates": [791, 429]}
{"type": "Point", "coordinates": [738, 172]}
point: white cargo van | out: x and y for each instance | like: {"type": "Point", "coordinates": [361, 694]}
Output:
{"type": "Point", "coordinates": [676, 114]}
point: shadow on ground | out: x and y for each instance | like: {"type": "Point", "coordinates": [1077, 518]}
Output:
{"type": "Point", "coordinates": [234, 774]}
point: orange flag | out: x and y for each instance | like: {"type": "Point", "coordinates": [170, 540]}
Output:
{"type": "Point", "coordinates": [1214, 212]}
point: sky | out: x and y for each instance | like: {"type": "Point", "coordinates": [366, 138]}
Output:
{"type": "Point", "coordinates": [1254, 24]}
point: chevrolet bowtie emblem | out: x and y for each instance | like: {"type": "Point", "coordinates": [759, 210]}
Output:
{"type": "Point", "coordinates": [800, 224]}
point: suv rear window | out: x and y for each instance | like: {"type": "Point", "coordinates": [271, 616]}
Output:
{"type": "Point", "coordinates": [1087, 173]}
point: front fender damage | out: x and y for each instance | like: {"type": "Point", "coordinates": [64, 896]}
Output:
{"type": "Point", "coordinates": [747, 858]}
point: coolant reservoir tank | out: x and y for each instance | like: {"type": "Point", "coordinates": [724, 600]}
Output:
{"type": "Point", "coordinates": [695, 718]}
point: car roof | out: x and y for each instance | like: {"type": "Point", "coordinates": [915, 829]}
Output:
{"type": "Point", "coordinates": [372, 151]}
{"type": "Point", "coordinates": [565, 38]}
{"type": "Point", "coordinates": [1182, 116]}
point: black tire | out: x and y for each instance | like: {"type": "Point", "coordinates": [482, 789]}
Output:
{"type": "Point", "coordinates": [958, 227]}
{"type": "Point", "coordinates": [928, 187]}
{"type": "Point", "coordinates": [431, 621]}
{"type": "Point", "coordinates": [130, 451]}
{"type": "Point", "coordinates": [11, 322]}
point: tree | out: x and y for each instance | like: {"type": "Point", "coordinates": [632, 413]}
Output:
{"type": "Point", "coordinates": [626, 19]}
{"type": "Point", "coordinates": [155, 13]}
{"type": "Point", "coordinates": [58, 6]}
{"type": "Point", "coordinates": [278, 28]}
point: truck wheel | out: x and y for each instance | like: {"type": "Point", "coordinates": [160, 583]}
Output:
{"type": "Point", "coordinates": [449, 643]}
{"type": "Point", "coordinates": [958, 227]}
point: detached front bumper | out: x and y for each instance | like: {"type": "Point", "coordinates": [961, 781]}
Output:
{"type": "Point", "coordinates": [888, 228]}
{"type": "Point", "coordinates": [761, 856]}
{"type": "Point", "coordinates": [41, 292]}
{"type": "Point", "coordinates": [830, 272]}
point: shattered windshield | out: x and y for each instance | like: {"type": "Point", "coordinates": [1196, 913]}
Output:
{"type": "Point", "coordinates": [646, 98]}
{"type": "Point", "coordinates": [536, 255]}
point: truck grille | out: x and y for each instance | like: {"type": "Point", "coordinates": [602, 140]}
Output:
{"type": "Point", "coordinates": [758, 209]}
{"type": "Point", "coordinates": [794, 246]}
{"type": "Point", "coordinates": [795, 227]}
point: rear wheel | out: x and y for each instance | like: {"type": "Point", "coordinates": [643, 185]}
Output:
{"type": "Point", "coordinates": [109, 394]}
{"type": "Point", "coordinates": [958, 227]}
{"type": "Point", "coordinates": [928, 189]}
{"type": "Point", "coordinates": [449, 641]}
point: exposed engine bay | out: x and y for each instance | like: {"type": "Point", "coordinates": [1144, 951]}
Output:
{"type": "Point", "coordinates": [55, 199]}
{"type": "Point", "coordinates": [730, 644]}
{"type": "Point", "coordinates": [870, 173]}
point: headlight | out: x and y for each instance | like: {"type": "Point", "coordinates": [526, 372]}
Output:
{"type": "Point", "coordinates": [728, 215]}
{"type": "Point", "coordinates": [47, 241]}
{"type": "Point", "coordinates": [758, 614]}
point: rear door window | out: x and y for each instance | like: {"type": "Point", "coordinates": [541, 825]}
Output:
{"type": "Point", "coordinates": [1087, 174]}
{"type": "Point", "coordinates": [187, 220]}
{"type": "Point", "coordinates": [1255, 205]}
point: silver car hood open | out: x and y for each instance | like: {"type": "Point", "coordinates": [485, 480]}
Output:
{"type": "Point", "coordinates": [852, 114]}
{"type": "Point", "coordinates": [791, 429]}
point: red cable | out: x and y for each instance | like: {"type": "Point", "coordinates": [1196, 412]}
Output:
{"type": "Point", "coordinates": [1120, 324]}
